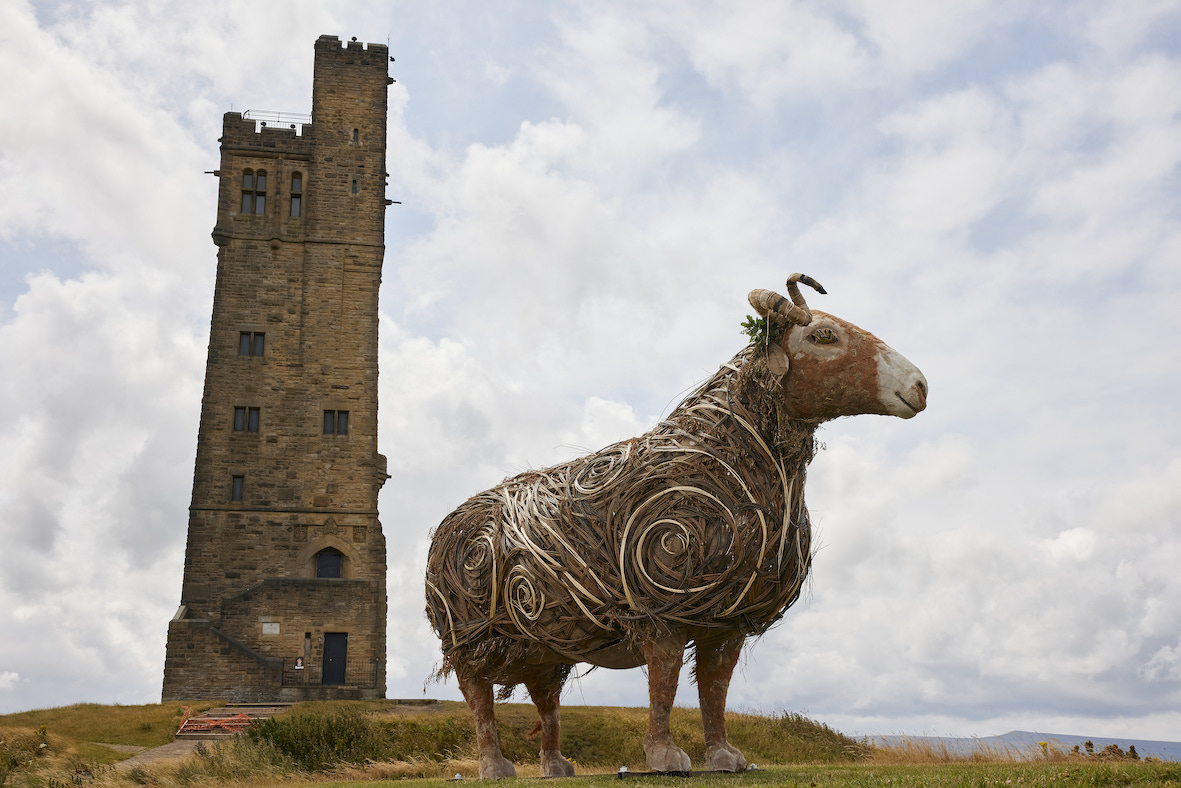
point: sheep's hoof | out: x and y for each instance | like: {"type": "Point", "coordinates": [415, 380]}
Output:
{"type": "Point", "coordinates": [554, 765]}
{"type": "Point", "coordinates": [496, 766]}
{"type": "Point", "coordinates": [724, 758]}
{"type": "Point", "coordinates": [664, 756]}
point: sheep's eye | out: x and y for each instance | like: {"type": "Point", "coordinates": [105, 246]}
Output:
{"type": "Point", "coordinates": [824, 336]}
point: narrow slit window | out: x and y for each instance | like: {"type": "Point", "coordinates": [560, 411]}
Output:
{"type": "Point", "coordinates": [296, 193]}
{"type": "Point", "coordinates": [236, 484]}
{"type": "Point", "coordinates": [356, 188]}
{"type": "Point", "coordinates": [336, 422]}
{"type": "Point", "coordinates": [356, 135]}
{"type": "Point", "coordinates": [248, 191]}
{"type": "Point", "coordinates": [260, 192]}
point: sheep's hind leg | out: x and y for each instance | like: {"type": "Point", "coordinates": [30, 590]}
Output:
{"type": "Point", "coordinates": [665, 657]}
{"type": "Point", "coordinates": [715, 664]}
{"type": "Point", "coordinates": [546, 691]}
{"type": "Point", "coordinates": [477, 692]}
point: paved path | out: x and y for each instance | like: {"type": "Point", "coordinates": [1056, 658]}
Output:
{"type": "Point", "coordinates": [174, 750]}
{"type": "Point", "coordinates": [129, 748]}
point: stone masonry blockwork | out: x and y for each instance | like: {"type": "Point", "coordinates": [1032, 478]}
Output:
{"type": "Point", "coordinates": [256, 623]}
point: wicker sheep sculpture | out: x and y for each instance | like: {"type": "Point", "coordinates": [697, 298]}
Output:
{"type": "Point", "coordinates": [694, 533]}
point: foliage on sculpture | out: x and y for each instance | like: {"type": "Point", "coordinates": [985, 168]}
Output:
{"type": "Point", "coordinates": [695, 531]}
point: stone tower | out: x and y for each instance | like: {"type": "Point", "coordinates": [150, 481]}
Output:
{"type": "Point", "coordinates": [284, 594]}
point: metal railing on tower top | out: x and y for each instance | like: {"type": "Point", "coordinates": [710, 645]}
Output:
{"type": "Point", "coordinates": [282, 120]}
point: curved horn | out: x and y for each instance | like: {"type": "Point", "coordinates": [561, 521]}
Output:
{"type": "Point", "coordinates": [768, 302]}
{"type": "Point", "coordinates": [796, 310]}
{"type": "Point", "coordinates": [797, 298]}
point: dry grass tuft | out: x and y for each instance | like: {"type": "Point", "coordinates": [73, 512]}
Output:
{"type": "Point", "coordinates": [933, 751]}
{"type": "Point", "coordinates": [417, 768]}
{"type": "Point", "coordinates": [26, 754]}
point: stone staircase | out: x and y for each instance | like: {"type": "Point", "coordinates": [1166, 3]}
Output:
{"type": "Point", "coordinates": [227, 721]}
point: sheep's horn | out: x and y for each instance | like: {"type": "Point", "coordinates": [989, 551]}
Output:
{"type": "Point", "coordinates": [809, 281]}
{"type": "Point", "coordinates": [796, 310]}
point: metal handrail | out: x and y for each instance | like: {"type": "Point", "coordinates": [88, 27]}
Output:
{"type": "Point", "coordinates": [358, 672]}
{"type": "Point", "coordinates": [263, 117]}
{"type": "Point", "coordinates": [276, 117]}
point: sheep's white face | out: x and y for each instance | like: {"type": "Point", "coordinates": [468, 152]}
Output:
{"type": "Point", "coordinates": [837, 369]}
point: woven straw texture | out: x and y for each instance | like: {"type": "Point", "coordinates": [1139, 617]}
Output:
{"type": "Point", "coordinates": [699, 523]}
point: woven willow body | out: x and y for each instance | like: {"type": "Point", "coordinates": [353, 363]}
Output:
{"type": "Point", "coordinates": [699, 523]}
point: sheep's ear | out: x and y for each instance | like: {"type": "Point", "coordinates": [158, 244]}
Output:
{"type": "Point", "coordinates": [777, 360]}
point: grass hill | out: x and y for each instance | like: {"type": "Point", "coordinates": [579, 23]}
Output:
{"type": "Point", "coordinates": [314, 737]}
{"type": "Point", "coordinates": [76, 730]}
{"type": "Point", "coordinates": [367, 741]}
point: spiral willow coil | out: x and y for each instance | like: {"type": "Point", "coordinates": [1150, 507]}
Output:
{"type": "Point", "coordinates": [698, 523]}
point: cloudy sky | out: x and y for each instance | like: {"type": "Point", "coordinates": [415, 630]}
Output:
{"type": "Point", "coordinates": [589, 191]}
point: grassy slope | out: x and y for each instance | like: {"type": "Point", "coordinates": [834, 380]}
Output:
{"type": "Point", "coordinates": [612, 736]}
{"type": "Point", "coordinates": [598, 738]}
{"type": "Point", "coordinates": [80, 727]}
{"type": "Point", "coordinates": [606, 737]}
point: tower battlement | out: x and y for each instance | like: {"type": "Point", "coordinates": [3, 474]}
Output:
{"type": "Point", "coordinates": [332, 46]}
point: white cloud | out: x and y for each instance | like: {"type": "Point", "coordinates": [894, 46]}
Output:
{"type": "Point", "coordinates": [1074, 544]}
{"type": "Point", "coordinates": [605, 76]}
{"type": "Point", "coordinates": [1119, 29]}
{"type": "Point", "coordinates": [769, 50]}
{"type": "Point", "coordinates": [786, 52]}
{"type": "Point", "coordinates": [1165, 664]}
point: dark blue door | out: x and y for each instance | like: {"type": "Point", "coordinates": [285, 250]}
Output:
{"type": "Point", "coordinates": [336, 655]}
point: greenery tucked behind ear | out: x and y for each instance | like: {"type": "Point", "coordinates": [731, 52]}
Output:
{"type": "Point", "coordinates": [759, 331]}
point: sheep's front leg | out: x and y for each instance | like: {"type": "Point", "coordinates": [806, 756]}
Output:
{"type": "Point", "coordinates": [665, 657]}
{"type": "Point", "coordinates": [477, 691]}
{"type": "Point", "coordinates": [546, 691]}
{"type": "Point", "coordinates": [715, 665]}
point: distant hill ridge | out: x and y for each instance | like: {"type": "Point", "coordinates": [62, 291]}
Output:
{"type": "Point", "coordinates": [1030, 741]}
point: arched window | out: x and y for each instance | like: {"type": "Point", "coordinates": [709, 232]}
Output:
{"type": "Point", "coordinates": [329, 563]}
{"type": "Point", "coordinates": [296, 193]}
{"type": "Point", "coordinates": [254, 191]}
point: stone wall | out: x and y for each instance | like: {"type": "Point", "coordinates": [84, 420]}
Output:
{"type": "Point", "coordinates": [203, 664]}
